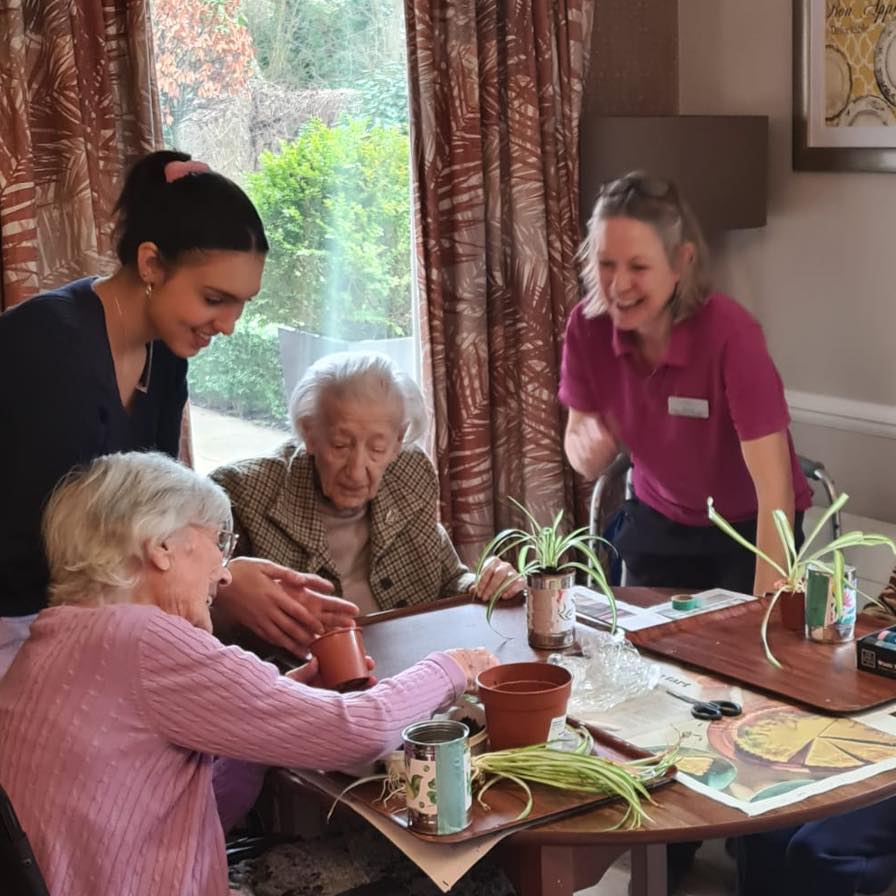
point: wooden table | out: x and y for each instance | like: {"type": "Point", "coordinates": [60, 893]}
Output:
{"type": "Point", "coordinates": [572, 853]}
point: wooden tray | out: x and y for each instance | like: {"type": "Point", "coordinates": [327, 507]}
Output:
{"type": "Point", "coordinates": [727, 643]}
{"type": "Point", "coordinates": [506, 800]}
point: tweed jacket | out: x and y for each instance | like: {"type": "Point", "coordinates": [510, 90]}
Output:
{"type": "Point", "coordinates": [412, 559]}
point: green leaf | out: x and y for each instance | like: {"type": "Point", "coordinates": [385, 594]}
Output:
{"type": "Point", "coordinates": [414, 785]}
{"type": "Point", "coordinates": [785, 533]}
{"type": "Point", "coordinates": [851, 539]}
{"type": "Point", "coordinates": [763, 628]}
{"type": "Point", "coordinates": [832, 508]}
{"type": "Point", "coordinates": [732, 533]}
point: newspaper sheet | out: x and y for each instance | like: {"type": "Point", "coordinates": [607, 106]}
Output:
{"type": "Point", "coordinates": [772, 755]}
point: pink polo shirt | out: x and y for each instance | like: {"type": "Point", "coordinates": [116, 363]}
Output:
{"type": "Point", "coordinates": [683, 422]}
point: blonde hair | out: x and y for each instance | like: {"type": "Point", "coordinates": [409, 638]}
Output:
{"type": "Point", "coordinates": [369, 375]}
{"type": "Point", "coordinates": [655, 202]}
{"type": "Point", "coordinates": [99, 519]}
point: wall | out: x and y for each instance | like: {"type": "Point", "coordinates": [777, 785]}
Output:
{"type": "Point", "coordinates": [634, 59]}
{"type": "Point", "coordinates": [821, 276]}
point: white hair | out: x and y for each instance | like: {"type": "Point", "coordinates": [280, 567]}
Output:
{"type": "Point", "coordinates": [99, 519]}
{"type": "Point", "coordinates": [369, 375]}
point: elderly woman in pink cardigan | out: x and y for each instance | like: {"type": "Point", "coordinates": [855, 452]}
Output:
{"type": "Point", "coordinates": [113, 712]}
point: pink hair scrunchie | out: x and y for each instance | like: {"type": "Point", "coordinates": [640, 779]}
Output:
{"type": "Point", "coordinates": [176, 170]}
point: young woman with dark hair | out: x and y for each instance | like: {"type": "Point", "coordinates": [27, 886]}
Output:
{"type": "Point", "coordinates": [99, 366]}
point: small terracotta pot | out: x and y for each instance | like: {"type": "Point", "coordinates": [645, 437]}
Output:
{"type": "Point", "coordinates": [523, 702]}
{"type": "Point", "coordinates": [341, 659]}
{"type": "Point", "coordinates": [792, 610]}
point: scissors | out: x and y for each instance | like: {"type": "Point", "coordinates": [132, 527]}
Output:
{"type": "Point", "coordinates": [709, 710]}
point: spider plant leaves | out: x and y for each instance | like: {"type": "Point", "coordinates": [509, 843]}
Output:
{"type": "Point", "coordinates": [833, 507]}
{"type": "Point", "coordinates": [853, 539]}
{"type": "Point", "coordinates": [763, 628]}
{"type": "Point", "coordinates": [731, 532]}
{"type": "Point", "coordinates": [828, 558]}
{"type": "Point", "coordinates": [785, 533]}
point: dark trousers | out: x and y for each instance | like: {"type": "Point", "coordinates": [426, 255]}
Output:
{"type": "Point", "coordinates": [839, 856]}
{"type": "Point", "coordinates": [661, 553]}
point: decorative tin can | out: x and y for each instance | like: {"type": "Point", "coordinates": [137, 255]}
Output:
{"type": "Point", "coordinates": [551, 610]}
{"type": "Point", "coordinates": [438, 783]}
{"type": "Point", "coordinates": [823, 621]}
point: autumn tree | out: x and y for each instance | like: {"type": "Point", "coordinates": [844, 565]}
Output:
{"type": "Point", "coordinates": [204, 53]}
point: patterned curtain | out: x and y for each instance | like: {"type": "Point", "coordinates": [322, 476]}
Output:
{"type": "Point", "coordinates": [496, 95]}
{"type": "Point", "coordinates": [77, 106]}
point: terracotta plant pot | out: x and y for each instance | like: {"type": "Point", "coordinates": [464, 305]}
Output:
{"type": "Point", "coordinates": [525, 703]}
{"type": "Point", "coordinates": [341, 659]}
{"type": "Point", "coordinates": [792, 610]}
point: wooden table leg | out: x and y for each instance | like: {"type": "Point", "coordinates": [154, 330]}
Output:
{"type": "Point", "coordinates": [649, 870]}
{"type": "Point", "coordinates": [555, 870]}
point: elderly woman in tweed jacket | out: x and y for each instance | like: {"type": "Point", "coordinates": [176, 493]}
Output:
{"type": "Point", "coordinates": [352, 498]}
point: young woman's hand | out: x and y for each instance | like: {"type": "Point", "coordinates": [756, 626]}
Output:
{"type": "Point", "coordinates": [282, 606]}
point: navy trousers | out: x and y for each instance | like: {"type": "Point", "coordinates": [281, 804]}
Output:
{"type": "Point", "coordinates": [661, 553]}
{"type": "Point", "coordinates": [839, 856]}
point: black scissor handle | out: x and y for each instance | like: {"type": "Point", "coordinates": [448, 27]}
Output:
{"type": "Point", "coordinates": [709, 712]}
{"type": "Point", "coordinates": [727, 707]}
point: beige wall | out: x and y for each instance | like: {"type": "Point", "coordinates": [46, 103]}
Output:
{"type": "Point", "coordinates": [821, 276]}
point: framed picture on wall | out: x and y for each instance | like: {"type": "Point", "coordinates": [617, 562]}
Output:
{"type": "Point", "coordinates": [844, 85]}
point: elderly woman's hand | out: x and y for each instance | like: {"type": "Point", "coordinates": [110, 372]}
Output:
{"type": "Point", "coordinates": [498, 575]}
{"type": "Point", "coordinates": [472, 660]}
{"type": "Point", "coordinates": [283, 606]}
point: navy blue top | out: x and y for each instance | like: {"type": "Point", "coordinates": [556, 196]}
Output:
{"type": "Point", "coordinates": [60, 407]}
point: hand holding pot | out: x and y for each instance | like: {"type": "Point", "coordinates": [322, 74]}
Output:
{"type": "Point", "coordinates": [472, 660]}
{"type": "Point", "coordinates": [280, 605]}
{"type": "Point", "coordinates": [498, 577]}
{"type": "Point", "coordinates": [309, 673]}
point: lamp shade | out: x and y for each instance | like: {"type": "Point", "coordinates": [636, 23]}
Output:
{"type": "Point", "coordinates": [718, 162]}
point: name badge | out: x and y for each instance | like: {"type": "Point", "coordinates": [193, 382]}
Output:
{"type": "Point", "coordinates": [689, 407]}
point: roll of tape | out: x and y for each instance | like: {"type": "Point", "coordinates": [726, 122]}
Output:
{"type": "Point", "coordinates": [684, 602]}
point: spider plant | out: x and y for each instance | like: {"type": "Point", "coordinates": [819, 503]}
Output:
{"type": "Point", "coordinates": [827, 557]}
{"type": "Point", "coordinates": [577, 770]}
{"type": "Point", "coordinates": [546, 549]}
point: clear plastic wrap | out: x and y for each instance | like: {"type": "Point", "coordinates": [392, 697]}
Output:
{"type": "Point", "coordinates": [608, 672]}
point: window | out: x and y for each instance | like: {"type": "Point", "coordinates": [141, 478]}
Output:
{"type": "Point", "coordinates": [304, 103]}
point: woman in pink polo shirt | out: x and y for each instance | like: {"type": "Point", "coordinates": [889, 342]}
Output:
{"type": "Point", "coordinates": [679, 376]}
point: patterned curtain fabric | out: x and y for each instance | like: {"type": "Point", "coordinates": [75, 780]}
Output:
{"type": "Point", "coordinates": [496, 95]}
{"type": "Point", "coordinates": [77, 106]}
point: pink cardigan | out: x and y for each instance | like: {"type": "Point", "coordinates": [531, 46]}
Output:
{"type": "Point", "coordinates": [109, 719]}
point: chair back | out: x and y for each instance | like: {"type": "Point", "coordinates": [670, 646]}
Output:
{"type": "Point", "coordinates": [18, 867]}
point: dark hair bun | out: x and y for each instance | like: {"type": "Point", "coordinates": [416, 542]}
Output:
{"type": "Point", "coordinates": [198, 211]}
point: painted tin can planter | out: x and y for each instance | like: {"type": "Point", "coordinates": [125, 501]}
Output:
{"type": "Point", "coordinates": [823, 622]}
{"type": "Point", "coordinates": [438, 782]}
{"type": "Point", "coordinates": [551, 610]}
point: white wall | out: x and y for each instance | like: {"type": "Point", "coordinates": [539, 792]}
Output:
{"type": "Point", "coordinates": [821, 276]}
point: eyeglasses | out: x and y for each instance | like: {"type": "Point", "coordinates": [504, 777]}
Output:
{"type": "Point", "coordinates": [648, 187]}
{"type": "Point", "coordinates": [226, 541]}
